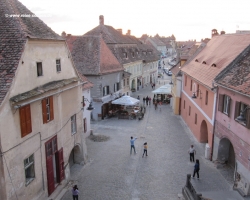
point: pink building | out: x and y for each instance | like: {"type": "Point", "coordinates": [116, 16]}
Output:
{"type": "Point", "coordinates": [232, 125]}
{"type": "Point", "coordinates": [198, 99]}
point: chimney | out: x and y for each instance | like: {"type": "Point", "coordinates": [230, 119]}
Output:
{"type": "Point", "coordinates": [214, 32]}
{"type": "Point", "coordinates": [129, 32]}
{"type": "Point", "coordinates": [63, 34]}
{"type": "Point", "coordinates": [119, 30]}
{"type": "Point", "coordinates": [68, 35]}
{"type": "Point", "coordinates": [101, 20]}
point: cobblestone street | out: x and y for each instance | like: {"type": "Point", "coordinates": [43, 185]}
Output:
{"type": "Point", "coordinates": [112, 173]}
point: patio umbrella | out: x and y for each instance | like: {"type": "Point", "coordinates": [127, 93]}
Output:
{"type": "Point", "coordinates": [126, 101]}
{"type": "Point", "coordinates": [165, 89]}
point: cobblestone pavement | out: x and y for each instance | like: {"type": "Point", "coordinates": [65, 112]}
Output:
{"type": "Point", "coordinates": [113, 174]}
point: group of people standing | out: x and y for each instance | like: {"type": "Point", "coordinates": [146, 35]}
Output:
{"type": "Point", "coordinates": [146, 100]}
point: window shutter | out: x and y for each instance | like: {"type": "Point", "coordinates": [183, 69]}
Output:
{"type": "Point", "coordinates": [237, 109]}
{"type": "Point", "coordinates": [228, 107]}
{"type": "Point", "coordinates": [248, 119]}
{"type": "Point", "coordinates": [107, 89]}
{"type": "Point", "coordinates": [44, 112]}
{"type": "Point", "coordinates": [220, 105]}
{"type": "Point", "coordinates": [50, 175]}
{"type": "Point", "coordinates": [28, 119]}
{"type": "Point", "coordinates": [51, 108]}
{"type": "Point", "coordinates": [103, 91]}
{"type": "Point", "coordinates": [22, 121]}
{"type": "Point", "coordinates": [60, 165]}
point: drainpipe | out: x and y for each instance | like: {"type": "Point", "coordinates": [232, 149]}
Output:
{"type": "Point", "coordinates": [212, 148]}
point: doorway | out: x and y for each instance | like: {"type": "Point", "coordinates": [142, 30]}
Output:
{"type": "Point", "coordinates": [203, 132]}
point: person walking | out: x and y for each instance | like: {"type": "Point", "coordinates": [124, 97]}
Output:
{"type": "Point", "coordinates": [144, 99]}
{"type": "Point", "coordinates": [196, 169]}
{"type": "Point", "coordinates": [156, 105]}
{"type": "Point", "coordinates": [147, 100]}
{"type": "Point", "coordinates": [191, 152]}
{"type": "Point", "coordinates": [132, 143]}
{"type": "Point", "coordinates": [75, 192]}
{"type": "Point", "coordinates": [138, 98]}
{"type": "Point", "coordinates": [145, 146]}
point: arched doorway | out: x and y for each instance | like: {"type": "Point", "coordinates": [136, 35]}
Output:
{"type": "Point", "coordinates": [133, 84]}
{"type": "Point", "coordinates": [203, 132]}
{"type": "Point", "coordinates": [75, 156]}
{"type": "Point", "coordinates": [226, 152]}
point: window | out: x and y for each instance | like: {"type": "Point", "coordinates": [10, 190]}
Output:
{"type": "Point", "coordinates": [195, 119]}
{"type": "Point", "coordinates": [117, 86]}
{"type": "Point", "coordinates": [133, 54]}
{"type": "Point", "coordinates": [185, 80]}
{"type": "Point", "coordinates": [25, 120]}
{"type": "Point", "coordinates": [105, 90]}
{"type": "Point", "coordinates": [124, 82]}
{"type": "Point", "coordinates": [198, 90]}
{"type": "Point", "coordinates": [226, 104]}
{"type": "Point", "coordinates": [58, 65]}
{"type": "Point", "coordinates": [242, 107]}
{"type": "Point", "coordinates": [29, 168]}
{"type": "Point", "coordinates": [127, 81]}
{"type": "Point", "coordinates": [85, 125]}
{"type": "Point", "coordinates": [189, 111]}
{"type": "Point", "coordinates": [184, 104]}
{"type": "Point", "coordinates": [125, 55]}
{"type": "Point", "coordinates": [191, 84]}
{"type": "Point", "coordinates": [39, 69]}
{"type": "Point", "coordinates": [206, 100]}
{"type": "Point", "coordinates": [47, 109]}
{"type": "Point", "coordinates": [73, 124]}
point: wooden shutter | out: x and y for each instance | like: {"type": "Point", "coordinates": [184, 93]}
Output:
{"type": "Point", "coordinates": [44, 112]}
{"type": "Point", "coordinates": [220, 104]}
{"type": "Point", "coordinates": [85, 125]}
{"type": "Point", "coordinates": [228, 107]}
{"type": "Point", "coordinates": [28, 119]}
{"type": "Point", "coordinates": [51, 107]}
{"type": "Point", "coordinates": [22, 121]}
{"type": "Point", "coordinates": [237, 109]}
{"type": "Point", "coordinates": [50, 175]}
{"type": "Point", "coordinates": [248, 119]}
{"type": "Point", "coordinates": [60, 165]}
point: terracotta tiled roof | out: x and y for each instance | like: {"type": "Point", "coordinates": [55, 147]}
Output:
{"type": "Point", "coordinates": [221, 51]}
{"type": "Point", "coordinates": [92, 56]}
{"type": "Point", "coordinates": [14, 32]}
{"type": "Point", "coordinates": [237, 75]}
{"type": "Point", "coordinates": [110, 35]}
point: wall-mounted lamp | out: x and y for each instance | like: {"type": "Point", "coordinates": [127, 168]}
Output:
{"type": "Point", "coordinates": [241, 117]}
{"type": "Point", "coordinates": [194, 94]}
{"type": "Point", "coordinates": [90, 104]}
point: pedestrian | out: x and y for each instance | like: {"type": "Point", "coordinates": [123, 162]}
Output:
{"type": "Point", "coordinates": [132, 143]}
{"type": "Point", "coordinates": [191, 152]}
{"type": "Point", "coordinates": [147, 100]}
{"type": "Point", "coordinates": [75, 192]}
{"type": "Point", "coordinates": [152, 85]}
{"type": "Point", "coordinates": [155, 105]}
{"type": "Point", "coordinates": [138, 97]}
{"type": "Point", "coordinates": [144, 99]}
{"type": "Point", "coordinates": [196, 169]}
{"type": "Point", "coordinates": [145, 145]}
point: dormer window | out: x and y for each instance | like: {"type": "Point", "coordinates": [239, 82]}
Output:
{"type": "Point", "coordinates": [137, 52]}
{"type": "Point", "coordinates": [196, 60]}
{"type": "Point", "coordinates": [204, 62]}
{"type": "Point", "coordinates": [150, 52]}
{"type": "Point", "coordinates": [133, 54]}
{"type": "Point", "coordinates": [125, 55]}
{"type": "Point", "coordinates": [213, 65]}
{"type": "Point", "coordinates": [144, 53]}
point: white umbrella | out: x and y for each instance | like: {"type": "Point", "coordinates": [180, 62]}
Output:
{"type": "Point", "coordinates": [126, 101]}
{"type": "Point", "coordinates": [165, 89]}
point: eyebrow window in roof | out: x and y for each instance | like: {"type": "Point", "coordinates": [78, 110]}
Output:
{"type": "Point", "coordinates": [196, 60]}
{"type": "Point", "coordinates": [213, 65]}
{"type": "Point", "coordinates": [204, 62]}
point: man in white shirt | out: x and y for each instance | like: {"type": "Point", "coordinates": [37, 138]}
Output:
{"type": "Point", "coordinates": [191, 152]}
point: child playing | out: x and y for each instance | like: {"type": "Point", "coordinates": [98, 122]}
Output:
{"type": "Point", "coordinates": [145, 149]}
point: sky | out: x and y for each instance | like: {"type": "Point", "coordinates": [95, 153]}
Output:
{"type": "Point", "coordinates": [186, 19]}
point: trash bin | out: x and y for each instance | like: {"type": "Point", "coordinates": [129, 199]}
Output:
{"type": "Point", "coordinates": [207, 151]}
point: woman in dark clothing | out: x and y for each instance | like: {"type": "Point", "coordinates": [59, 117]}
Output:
{"type": "Point", "coordinates": [196, 168]}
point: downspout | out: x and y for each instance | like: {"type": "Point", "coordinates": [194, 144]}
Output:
{"type": "Point", "coordinates": [212, 148]}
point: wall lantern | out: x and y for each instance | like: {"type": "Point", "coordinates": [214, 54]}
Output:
{"type": "Point", "coordinates": [241, 117]}
{"type": "Point", "coordinates": [90, 104]}
{"type": "Point", "coordinates": [194, 94]}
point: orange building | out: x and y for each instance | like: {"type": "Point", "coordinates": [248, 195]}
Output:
{"type": "Point", "coordinates": [198, 91]}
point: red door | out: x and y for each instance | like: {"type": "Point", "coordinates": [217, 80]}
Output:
{"type": "Point", "coordinates": [50, 174]}
{"type": "Point", "coordinates": [60, 165]}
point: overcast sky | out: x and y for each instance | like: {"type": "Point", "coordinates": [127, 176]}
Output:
{"type": "Point", "coordinates": [186, 19]}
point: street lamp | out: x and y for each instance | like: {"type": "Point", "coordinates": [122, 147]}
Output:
{"type": "Point", "coordinates": [194, 94]}
{"type": "Point", "coordinates": [241, 117]}
{"type": "Point", "coordinates": [90, 107]}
